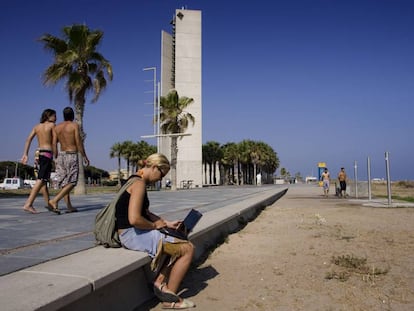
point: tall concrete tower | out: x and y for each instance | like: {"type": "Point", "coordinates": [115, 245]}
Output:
{"type": "Point", "coordinates": [181, 70]}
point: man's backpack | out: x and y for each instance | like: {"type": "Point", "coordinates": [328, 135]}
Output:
{"type": "Point", "coordinates": [105, 231]}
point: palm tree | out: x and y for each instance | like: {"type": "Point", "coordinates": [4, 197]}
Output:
{"type": "Point", "coordinates": [85, 70]}
{"type": "Point", "coordinates": [116, 151]}
{"type": "Point", "coordinates": [174, 120]}
{"type": "Point", "coordinates": [270, 162]}
{"type": "Point", "coordinates": [248, 157]}
{"type": "Point", "coordinates": [127, 152]}
{"type": "Point", "coordinates": [140, 150]}
{"type": "Point", "coordinates": [206, 158]}
{"type": "Point", "coordinates": [212, 153]}
{"type": "Point", "coordinates": [229, 160]}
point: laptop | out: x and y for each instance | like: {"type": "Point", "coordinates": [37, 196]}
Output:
{"type": "Point", "coordinates": [185, 227]}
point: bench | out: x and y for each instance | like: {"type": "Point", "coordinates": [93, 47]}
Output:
{"type": "Point", "coordinates": [186, 184]}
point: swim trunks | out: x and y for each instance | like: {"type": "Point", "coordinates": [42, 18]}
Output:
{"type": "Point", "coordinates": [67, 168]}
{"type": "Point", "coordinates": [43, 163]}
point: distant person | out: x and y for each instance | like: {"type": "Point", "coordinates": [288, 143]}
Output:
{"type": "Point", "coordinates": [258, 179]}
{"type": "Point", "coordinates": [44, 131]}
{"type": "Point", "coordinates": [67, 165]}
{"type": "Point", "coordinates": [325, 181]}
{"type": "Point", "coordinates": [137, 228]}
{"type": "Point", "coordinates": [342, 182]}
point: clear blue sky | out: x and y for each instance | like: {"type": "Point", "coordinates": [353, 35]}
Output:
{"type": "Point", "coordinates": [318, 80]}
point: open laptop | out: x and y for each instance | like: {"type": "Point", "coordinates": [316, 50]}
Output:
{"type": "Point", "coordinates": [186, 226]}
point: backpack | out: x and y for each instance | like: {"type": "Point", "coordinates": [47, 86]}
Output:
{"type": "Point", "coordinates": [105, 232]}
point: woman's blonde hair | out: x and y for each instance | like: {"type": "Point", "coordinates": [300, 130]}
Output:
{"type": "Point", "coordinates": [157, 159]}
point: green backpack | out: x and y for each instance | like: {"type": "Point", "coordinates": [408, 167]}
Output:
{"type": "Point", "coordinates": [105, 232]}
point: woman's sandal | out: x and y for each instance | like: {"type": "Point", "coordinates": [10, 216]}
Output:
{"type": "Point", "coordinates": [184, 304]}
{"type": "Point", "coordinates": [165, 295]}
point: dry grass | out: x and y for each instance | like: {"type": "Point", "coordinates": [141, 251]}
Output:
{"type": "Point", "coordinates": [351, 264]}
{"type": "Point", "coordinates": [403, 190]}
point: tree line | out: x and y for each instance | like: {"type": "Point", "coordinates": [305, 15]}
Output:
{"type": "Point", "coordinates": [239, 163]}
{"type": "Point", "coordinates": [236, 163]}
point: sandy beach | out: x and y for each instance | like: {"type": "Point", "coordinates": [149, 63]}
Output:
{"type": "Point", "coordinates": [307, 252]}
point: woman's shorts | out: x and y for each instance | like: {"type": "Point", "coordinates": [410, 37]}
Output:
{"type": "Point", "coordinates": [143, 240]}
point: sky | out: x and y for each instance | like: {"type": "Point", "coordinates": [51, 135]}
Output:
{"type": "Point", "coordinates": [317, 80]}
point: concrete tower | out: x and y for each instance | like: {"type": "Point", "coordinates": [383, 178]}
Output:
{"type": "Point", "coordinates": [181, 70]}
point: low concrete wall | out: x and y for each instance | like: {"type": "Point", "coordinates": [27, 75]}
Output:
{"type": "Point", "coordinates": [115, 279]}
{"type": "Point", "coordinates": [358, 190]}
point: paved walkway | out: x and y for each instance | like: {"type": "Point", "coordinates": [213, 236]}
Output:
{"type": "Point", "coordinates": [27, 239]}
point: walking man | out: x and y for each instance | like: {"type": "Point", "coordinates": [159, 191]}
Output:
{"type": "Point", "coordinates": [44, 131]}
{"type": "Point", "coordinates": [325, 179]}
{"type": "Point", "coordinates": [342, 182]}
{"type": "Point", "coordinates": [67, 166]}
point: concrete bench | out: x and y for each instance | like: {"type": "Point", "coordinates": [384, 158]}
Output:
{"type": "Point", "coordinates": [115, 278]}
{"type": "Point", "coordinates": [81, 277]}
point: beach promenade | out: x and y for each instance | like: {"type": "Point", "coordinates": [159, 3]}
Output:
{"type": "Point", "coordinates": [37, 247]}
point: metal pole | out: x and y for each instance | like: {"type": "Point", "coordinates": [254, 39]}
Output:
{"type": "Point", "coordinates": [158, 116]}
{"type": "Point", "coordinates": [155, 99]}
{"type": "Point", "coordinates": [356, 179]}
{"type": "Point", "coordinates": [369, 178]}
{"type": "Point", "coordinates": [387, 166]}
{"type": "Point", "coordinates": [15, 170]}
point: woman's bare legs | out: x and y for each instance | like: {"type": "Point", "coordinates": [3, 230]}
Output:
{"type": "Point", "coordinates": [45, 193]}
{"type": "Point", "coordinates": [180, 267]}
{"type": "Point", "coordinates": [28, 206]}
{"type": "Point", "coordinates": [175, 274]}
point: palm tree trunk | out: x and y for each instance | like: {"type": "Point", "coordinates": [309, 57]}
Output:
{"type": "Point", "coordinates": [214, 173]}
{"type": "Point", "coordinates": [254, 174]}
{"type": "Point", "coordinates": [119, 170]}
{"type": "Point", "coordinates": [205, 173]}
{"type": "Point", "coordinates": [210, 170]}
{"type": "Point", "coordinates": [80, 186]}
{"type": "Point", "coordinates": [79, 109]}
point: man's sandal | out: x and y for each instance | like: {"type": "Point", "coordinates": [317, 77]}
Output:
{"type": "Point", "coordinates": [52, 209]}
{"type": "Point", "coordinates": [184, 304]}
{"type": "Point", "coordinates": [165, 295]}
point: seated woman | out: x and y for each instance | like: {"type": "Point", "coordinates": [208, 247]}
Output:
{"type": "Point", "coordinates": [137, 229]}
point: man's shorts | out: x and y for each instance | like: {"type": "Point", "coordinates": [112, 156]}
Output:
{"type": "Point", "coordinates": [67, 168]}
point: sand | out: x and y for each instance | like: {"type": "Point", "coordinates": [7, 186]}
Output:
{"type": "Point", "coordinates": [307, 252]}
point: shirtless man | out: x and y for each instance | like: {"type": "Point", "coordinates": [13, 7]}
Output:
{"type": "Point", "coordinates": [325, 179]}
{"type": "Point", "coordinates": [67, 167]}
{"type": "Point", "coordinates": [45, 136]}
{"type": "Point", "coordinates": [342, 182]}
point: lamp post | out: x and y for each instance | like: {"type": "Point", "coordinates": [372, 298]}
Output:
{"type": "Point", "coordinates": [387, 167]}
{"type": "Point", "coordinates": [356, 178]}
{"type": "Point", "coordinates": [158, 116]}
